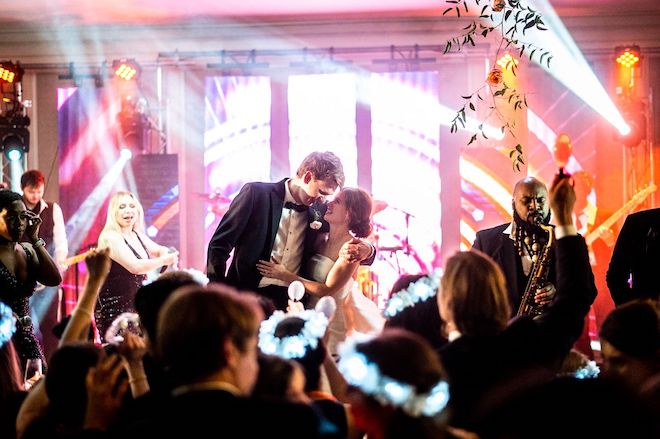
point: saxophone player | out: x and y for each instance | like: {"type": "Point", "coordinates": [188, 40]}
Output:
{"type": "Point", "coordinates": [516, 245]}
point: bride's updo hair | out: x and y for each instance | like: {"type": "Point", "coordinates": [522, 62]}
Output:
{"type": "Point", "coordinates": [358, 205]}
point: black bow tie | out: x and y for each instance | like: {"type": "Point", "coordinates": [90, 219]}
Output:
{"type": "Point", "coordinates": [296, 207]}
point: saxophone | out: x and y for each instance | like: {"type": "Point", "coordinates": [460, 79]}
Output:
{"type": "Point", "coordinates": [538, 276]}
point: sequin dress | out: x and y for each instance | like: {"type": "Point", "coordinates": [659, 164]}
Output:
{"type": "Point", "coordinates": [117, 295]}
{"type": "Point", "coordinates": [16, 294]}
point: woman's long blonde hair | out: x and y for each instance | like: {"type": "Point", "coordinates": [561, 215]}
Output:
{"type": "Point", "coordinates": [111, 218]}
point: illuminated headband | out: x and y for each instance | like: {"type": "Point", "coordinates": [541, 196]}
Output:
{"type": "Point", "coordinates": [589, 370]}
{"type": "Point", "coordinates": [292, 346]}
{"type": "Point", "coordinates": [417, 291]}
{"type": "Point", "coordinates": [7, 324]}
{"type": "Point", "coordinates": [365, 375]}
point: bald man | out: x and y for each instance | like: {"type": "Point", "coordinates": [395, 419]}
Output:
{"type": "Point", "coordinates": [512, 245]}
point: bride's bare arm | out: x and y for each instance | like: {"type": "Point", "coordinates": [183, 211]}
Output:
{"type": "Point", "coordinates": [340, 273]}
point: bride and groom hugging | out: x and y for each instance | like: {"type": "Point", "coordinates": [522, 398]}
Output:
{"type": "Point", "coordinates": [272, 228]}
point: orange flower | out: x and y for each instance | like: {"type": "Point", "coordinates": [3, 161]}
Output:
{"type": "Point", "coordinates": [494, 77]}
{"type": "Point", "coordinates": [498, 5]}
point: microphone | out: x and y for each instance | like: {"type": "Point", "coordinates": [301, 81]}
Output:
{"type": "Point", "coordinates": [174, 266]}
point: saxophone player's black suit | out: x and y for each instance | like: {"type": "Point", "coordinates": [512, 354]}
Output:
{"type": "Point", "coordinates": [499, 245]}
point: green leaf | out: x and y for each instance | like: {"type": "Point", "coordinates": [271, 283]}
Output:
{"type": "Point", "coordinates": [522, 51]}
{"type": "Point", "coordinates": [548, 62]}
{"type": "Point", "coordinates": [527, 26]}
{"type": "Point", "coordinates": [507, 13]}
{"type": "Point", "coordinates": [471, 106]}
{"type": "Point", "coordinates": [483, 9]}
{"type": "Point", "coordinates": [511, 153]}
{"type": "Point", "coordinates": [531, 54]}
{"type": "Point", "coordinates": [520, 159]}
{"type": "Point", "coordinates": [519, 148]}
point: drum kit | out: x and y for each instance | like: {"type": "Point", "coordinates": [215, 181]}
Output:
{"type": "Point", "coordinates": [395, 255]}
{"type": "Point", "coordinates": [218, 202]}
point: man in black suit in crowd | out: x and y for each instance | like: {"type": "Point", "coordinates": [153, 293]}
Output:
{"type": "Point", "coordinates": [636, 257]}
{"type": "Point", "coordinates": [512, 245]}
{"type": "Point", "coordinates": [277, 221]}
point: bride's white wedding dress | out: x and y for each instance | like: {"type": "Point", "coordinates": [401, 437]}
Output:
{"type": "Point", "coordinates": [355, 313]}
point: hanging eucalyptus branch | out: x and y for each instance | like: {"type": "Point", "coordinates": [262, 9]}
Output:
{"type": "Point", "coordinates": [512, 19]}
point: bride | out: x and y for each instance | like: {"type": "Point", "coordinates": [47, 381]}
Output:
{"type": "Point", "coordinates": [348, 216]}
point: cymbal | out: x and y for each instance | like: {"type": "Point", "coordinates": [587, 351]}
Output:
{"type": "Point", "coordinates": [378, 206]}
{"type": "Point", "coordinates": [213, 197]}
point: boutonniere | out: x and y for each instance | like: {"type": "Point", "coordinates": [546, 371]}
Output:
{"type": "Point", "coordinates": [316, 221]}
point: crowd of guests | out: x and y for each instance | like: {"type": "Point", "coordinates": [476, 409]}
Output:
{"type": "Point", "coordinates": [237, 357]}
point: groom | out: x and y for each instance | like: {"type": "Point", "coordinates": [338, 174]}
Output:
{"type": "Point", "coordinates": [277, 221]}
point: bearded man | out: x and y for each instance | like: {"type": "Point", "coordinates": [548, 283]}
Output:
{"type": "Point", "coordinates": [514, 245]}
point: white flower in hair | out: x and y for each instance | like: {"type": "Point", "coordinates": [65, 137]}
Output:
{"type": "Point", "coordinates": [366, 375]}
{"type": "Point", "coordinates": [417, 291]}
{"type": "Point", "coordinates": [292, 346]}
{"type": "Point", "coordinates": [197, 276]}
{"type": "Point", "coordinates": [125, 322]}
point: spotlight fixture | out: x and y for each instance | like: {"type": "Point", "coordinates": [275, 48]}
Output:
{"type": "Point", "coordinates": [507, 62]}
{"type": "Point", "coordinates": [628, 56]}
{"type": "Point", "coordinates": [126, 69]}
{"type": "Point", "coordinates": [10, 73]}
{"type": "Point", "coordinates": [14, 141]}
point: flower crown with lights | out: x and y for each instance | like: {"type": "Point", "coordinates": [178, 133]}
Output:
{"type": "Point", "coordinates": [589, 370]}
{"type": "Point", "coordinates": [7, 324]}
{"type": "Point", "coordinates": [366, 375]}
{"type": "Point", "coordinates": [292, 346]}
{"type": "Point", "coordinates": [417, 291]}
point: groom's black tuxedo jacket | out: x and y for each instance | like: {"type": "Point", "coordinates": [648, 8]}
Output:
{"type": "Point", "coordinates": [249, 227]}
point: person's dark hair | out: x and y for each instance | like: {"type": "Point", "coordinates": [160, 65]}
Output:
{"type": "Point", "coordinates": [325, 166]}
{"type": "Point", "coordinates": [274, 377]}
{"type": "Point", "coordinates": [312, 360]}
{"type": "Point", "coordinates": [150, 298]}
{"type": "Point", "coordinates": [476, 294]}
{"type": "Point", "coordinates": [358, 205]}
{"type": "Point", "coordinates": [194, 324]}
{"type": "Point", "coordinates": [7, 198]}
{"type": "Point", "coordinates": [634, 328]}
{"type": "Point", "coordinates": [66, 381]}
{"type": "Point", "coordinates": [423, 318]}
{"type": "Point", "coordinates": [33, 177]}
{"type": "Point", "coordinates": [421, 369]}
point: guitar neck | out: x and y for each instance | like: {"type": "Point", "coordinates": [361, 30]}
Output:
{"type": "Point", "coordinates": [609, 222]}
{"type": "Point", "coordinates": [77, 258]}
